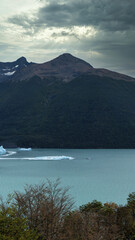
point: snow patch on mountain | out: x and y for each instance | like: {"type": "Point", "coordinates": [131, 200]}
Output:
{"type": "Point", "coordinates": [6, 69]}
{"type": "Point", "coordinates": [9, 73]}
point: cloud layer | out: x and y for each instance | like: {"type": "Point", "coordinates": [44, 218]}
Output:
{"type": "Point", "coordinates": [105, 14]}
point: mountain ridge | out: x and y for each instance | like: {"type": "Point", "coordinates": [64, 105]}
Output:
{"type": "Point", "coordinates": [65, 67]}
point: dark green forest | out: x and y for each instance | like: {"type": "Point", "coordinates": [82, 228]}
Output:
{"type": "Point", "coordinates": [47, 212]}
{"type": "Point", "coordinates": [88, 112]}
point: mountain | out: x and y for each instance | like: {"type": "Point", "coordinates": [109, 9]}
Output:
{"type": "Point", "coordinates": [65, 67]}
{"type": "Point", "coordinates": [8, 69]}
{"type": "Point", "coordinates": [66, 103]}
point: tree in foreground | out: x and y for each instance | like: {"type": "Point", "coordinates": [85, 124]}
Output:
{"type": "Point", "coordinates": [45, 206]}
{"type": "Point", "coordinates": [13, 226]}
{"type": "Point", "coordinates": [93, 221]}
{"type": "Point", "coordinates": [44, 212]}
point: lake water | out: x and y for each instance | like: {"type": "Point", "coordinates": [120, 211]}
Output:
{"type": "Point", "coordinates": [105, 175]}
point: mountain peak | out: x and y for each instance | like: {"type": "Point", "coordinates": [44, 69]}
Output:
{"type": "Point", "coordinates": [67, 58]}
{"type": "Point", "coordinates": [22, 60]}
{"type": "Point", "coordinates": [67, 55]}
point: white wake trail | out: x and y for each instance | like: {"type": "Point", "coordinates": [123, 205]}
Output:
{"type": "Point", "coordinates": [9, 154]}
{"type": "Point", "coordinates": [43, 158]}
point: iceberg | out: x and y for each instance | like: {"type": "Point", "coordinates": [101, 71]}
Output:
{"type": "Point", "coordinates": [24, 149]}
{"type": "Point", "coordinates": [2, 150]}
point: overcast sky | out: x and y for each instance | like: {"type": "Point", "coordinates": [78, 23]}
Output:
{"type": "Point", "coordinates": [101, 32]}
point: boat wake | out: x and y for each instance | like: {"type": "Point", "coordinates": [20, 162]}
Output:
{"type": "Point", "coordinates": [43, 158]}
{"type": "Point", "coordinates": [50, 158]}
{"type": "Point", "coordinates": [8, 154]}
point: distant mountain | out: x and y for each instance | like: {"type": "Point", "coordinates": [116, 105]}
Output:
{"type": "Point", "coordinates": [65, 67]}
{"type": "Point", "coordinates": [65, 103]}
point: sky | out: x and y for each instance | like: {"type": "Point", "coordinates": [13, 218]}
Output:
{"type": "Point", "coordinates": [102, 32]}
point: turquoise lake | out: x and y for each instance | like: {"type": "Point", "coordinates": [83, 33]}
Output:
{"type": "Point", "coordinates": [104, 175]}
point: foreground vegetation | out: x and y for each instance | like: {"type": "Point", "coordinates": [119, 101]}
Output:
{"type": "Point", "coordinates": [45, 212]}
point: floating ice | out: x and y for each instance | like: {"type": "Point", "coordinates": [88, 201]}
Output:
{"type": "Point", "coordinates": [24, 149]}
{"type": "Point", "coordinates": [2, 150]}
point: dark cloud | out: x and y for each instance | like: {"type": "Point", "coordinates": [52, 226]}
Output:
{"type": "Point", "coordinates": [106, 14]}
{"type": "Point", "coordinates": [21, 20]}
{"type": "Point", "coordinates": [111, 15]}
